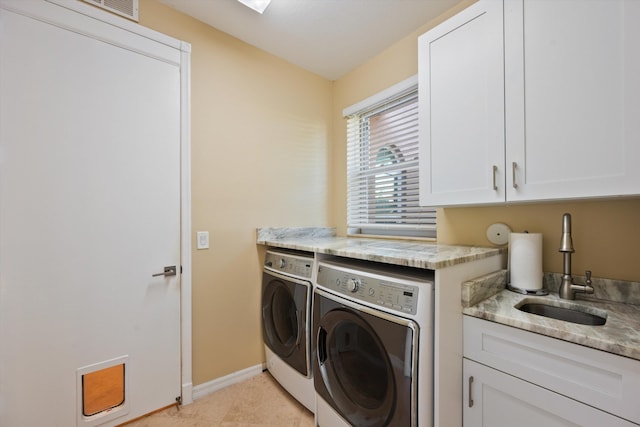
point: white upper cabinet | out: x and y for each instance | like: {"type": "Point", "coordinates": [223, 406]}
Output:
{"type": "Point", "coordinates": [461, 92]}
{"type": "Point", "coordinates": [570, 104]}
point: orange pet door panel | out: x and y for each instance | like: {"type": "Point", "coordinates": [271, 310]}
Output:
{"type": "Point", "coordinates": [102, 391]}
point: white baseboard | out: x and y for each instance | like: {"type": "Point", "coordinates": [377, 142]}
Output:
{"type": "Point", "coordinates": [187, 393]}
{"type": "Point", "coordinates": [209, 387]}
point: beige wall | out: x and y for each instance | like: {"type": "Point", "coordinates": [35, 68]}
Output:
{"type": "Point", "coordinates": [268, 149]}
{"type": "Point", "coordinates": [606, 234]}
{"type": "Point", "coordinates": [260, 141]}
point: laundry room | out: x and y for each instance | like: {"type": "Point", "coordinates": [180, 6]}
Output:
{"type": "Point", "coordinates": [289, 171]}
{"type": "Point", "coordinates": [268, 154]}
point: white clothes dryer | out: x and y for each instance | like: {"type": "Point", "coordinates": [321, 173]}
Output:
{"type": "Point", "coordinates": [286, 321]}
{"type": "Point", "coordinates": [373, 333]}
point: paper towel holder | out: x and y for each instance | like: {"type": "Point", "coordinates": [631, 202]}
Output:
{"type": "Point", "coordinates": [536, 292]}
{"type": "Point", "coordinates": [533, 292]}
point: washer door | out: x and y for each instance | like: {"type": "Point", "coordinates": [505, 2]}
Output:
{"type": "Point", "coordinates": [365, 363]}
{"type": "Point", "coordinates": [285, 303]}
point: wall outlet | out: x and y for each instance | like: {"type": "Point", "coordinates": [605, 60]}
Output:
{"type": "Point", "coordinates": [202, 241]}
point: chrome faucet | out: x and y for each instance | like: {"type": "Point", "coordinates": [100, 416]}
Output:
{"type": "Point", "coordinates": [568, 289]}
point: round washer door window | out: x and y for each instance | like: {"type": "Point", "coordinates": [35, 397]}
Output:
{"type": "Point", "coordinates": [356, 370]}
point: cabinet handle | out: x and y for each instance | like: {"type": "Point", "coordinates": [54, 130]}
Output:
{"type": "Point", "coordinates": [470, 395]}
{"type": "Point", "coordinates": [495, 170]}
{"type": "Point", "coordinates": [514, 165]}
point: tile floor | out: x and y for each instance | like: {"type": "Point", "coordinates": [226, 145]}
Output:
{"type": "Point", "coordinates": [256, 402]}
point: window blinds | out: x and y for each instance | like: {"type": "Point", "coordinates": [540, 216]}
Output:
{"type": "Point", "coordinates": [382, 169]}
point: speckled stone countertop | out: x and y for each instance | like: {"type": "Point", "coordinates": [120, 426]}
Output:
{"type": "Point", "coordinates": [619, 335]}
{"type": "Point", "coordinates": [418, 254]}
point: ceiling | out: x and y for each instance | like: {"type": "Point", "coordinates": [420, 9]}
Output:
{"type": "Point", "coordinates": [327, 37]}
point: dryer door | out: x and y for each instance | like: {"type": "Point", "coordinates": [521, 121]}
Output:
{"type": "Point", "coordinates": [285, 323]}
{"type": "Point", "coordinates": [365, 363]}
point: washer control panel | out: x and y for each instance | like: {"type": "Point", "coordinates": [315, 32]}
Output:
{"type": "Point", "coordinates": [390, 292]}
{"type": "Point", "coordinates": [292, 264]}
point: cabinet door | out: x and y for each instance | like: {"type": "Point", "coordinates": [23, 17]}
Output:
{"type": "Point", "coordinates": [572, 98]}
{"type": "Point", "coordinates": [462, 108]}
{"type": "Point", "coordinates": [495, 399]}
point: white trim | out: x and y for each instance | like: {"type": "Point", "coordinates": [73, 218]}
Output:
{"type": "Point", "coordinates": [204, 389]}
{"type": "Point", "coordinates": [187, 393]}
{"type": "Point", "coordinates": [115, 20]}
{"type": "Point", "coordinates": [185, 212]}
{"type": "Point", "coordinates": [102, 25]}
{"type": "Point", "coordinates": [382, 96]}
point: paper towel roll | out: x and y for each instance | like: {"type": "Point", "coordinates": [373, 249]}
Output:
{"type": "Point", "coordinates": [525, 261]}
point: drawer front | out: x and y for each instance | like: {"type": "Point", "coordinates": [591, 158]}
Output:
{"type": "Point", "coordinates": [593, 377]}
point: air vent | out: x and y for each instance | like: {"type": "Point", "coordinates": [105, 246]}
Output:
{"type": "Point", "coordinates": [126, 8]}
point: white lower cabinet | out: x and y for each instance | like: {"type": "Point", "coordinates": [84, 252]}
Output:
{"type": "Point", "coordinates": [512, 377]}
{"type": "Point", "coordinates": [496, 399]}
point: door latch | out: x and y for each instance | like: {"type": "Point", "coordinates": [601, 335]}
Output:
{"type": "Point", "coordinates": [168, 271]}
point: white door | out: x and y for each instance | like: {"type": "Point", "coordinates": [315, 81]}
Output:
{"type": "Point", "coordinates": [89, 211]}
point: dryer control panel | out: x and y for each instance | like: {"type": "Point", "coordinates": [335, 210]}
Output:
{"type": "Point", "coordinates": [392, 292]}
{"type": "Point", "coordinates": [295, 265]}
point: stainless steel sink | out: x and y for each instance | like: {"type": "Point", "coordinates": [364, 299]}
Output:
{"type": "Point", "coordinates": [573, 313]}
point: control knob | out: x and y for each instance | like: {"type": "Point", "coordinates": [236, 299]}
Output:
{"type": "Point", "coordinates": [283, 263]}
{"type": "Point", "coordinates": [353, 284]}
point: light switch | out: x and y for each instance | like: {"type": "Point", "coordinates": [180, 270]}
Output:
{"type": "Point", "coordinates": [202, 240]}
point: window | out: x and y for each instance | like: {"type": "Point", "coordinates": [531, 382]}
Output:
{"type": "Point", "coordinates": [382, 166]}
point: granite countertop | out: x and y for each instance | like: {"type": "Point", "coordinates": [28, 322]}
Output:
{"type": "Point", "coordinates": [487, 298]}
{"type": "Point", "coordinates": [409, 253]}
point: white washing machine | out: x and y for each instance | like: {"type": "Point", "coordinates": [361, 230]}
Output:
{"type": "Point", "coordinates": [286, 321]}
{"type": "Point", "coordinates": [373, 333]}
